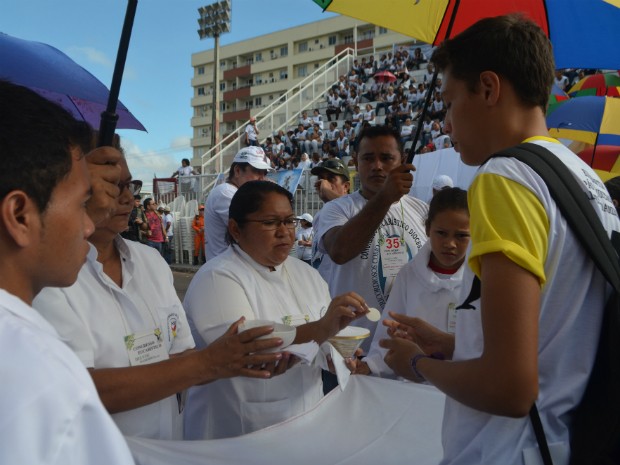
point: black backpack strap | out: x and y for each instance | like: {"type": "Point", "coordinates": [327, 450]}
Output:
{"type": "Point", "coordinates": [574, 205]}
{"type": "Point", "coordinates": [540, 436]}
{"type": "Point", "coordinates": [580, 215]}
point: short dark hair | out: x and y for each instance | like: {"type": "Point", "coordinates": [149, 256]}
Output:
{"type": "Point", "coordinates": [231, 172]}
{"type": "Point", "coordinates": [186, 161]}
{"type": "Point", "coordinates": [36, 138]}
{"type": "Point", "coordinates": [249, 198]}
{"type": "Point", "coordinates": [370, 132]}
{"type": "Point", "coordinates": [511, 46]}
{"type": "Point", "coordinates": [450, 198]}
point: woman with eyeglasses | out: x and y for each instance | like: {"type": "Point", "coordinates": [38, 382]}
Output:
{"type": "Point", "coordinates": [124, 321]}
{"type": "Point", "coordinates": [256, 278]}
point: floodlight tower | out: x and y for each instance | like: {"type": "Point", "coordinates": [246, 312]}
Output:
{"type": "Point", "coordinates": [215, 20]}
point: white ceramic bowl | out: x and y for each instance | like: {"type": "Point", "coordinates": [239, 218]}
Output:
{"type": "Point", "coordinates": [285, 332]}
{"type": "Point", "coordinates": [349, 339]}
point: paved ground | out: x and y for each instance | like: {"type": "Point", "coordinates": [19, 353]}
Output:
{"type": "Point", "coordinates": [182, 274]}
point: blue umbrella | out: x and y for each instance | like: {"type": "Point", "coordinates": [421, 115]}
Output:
{"type": "Point", "coordinates": [55, 76]}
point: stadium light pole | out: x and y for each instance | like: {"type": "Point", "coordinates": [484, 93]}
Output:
{"type": "Point", "coordinates": [214, 20]}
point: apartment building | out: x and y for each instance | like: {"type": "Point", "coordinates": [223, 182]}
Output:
{"type": "Point", "coordinates": [256, 72]}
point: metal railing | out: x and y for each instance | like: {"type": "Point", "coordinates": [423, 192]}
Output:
{"type": "Point", "coordinates": [282, 113]}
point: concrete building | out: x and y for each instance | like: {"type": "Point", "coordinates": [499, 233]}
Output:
{"type": "Point", "coordinates": [256, 72]}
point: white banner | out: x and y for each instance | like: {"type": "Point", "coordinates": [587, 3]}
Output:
{"type": "Point", "coordinates": [374, 421]}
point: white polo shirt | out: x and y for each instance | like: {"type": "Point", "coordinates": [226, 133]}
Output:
{"type": "Point", "coordinates": [51, 412]}
{"type": "Point", "coordinates": [94, 315]}
{"type": "Point", "coordinates": [216, 219]}
{"type": "Point", "coordinates": [223, 290]}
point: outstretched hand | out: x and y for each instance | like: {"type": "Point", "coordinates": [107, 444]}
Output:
{"type": "Point", "coordinates": [426, 336]}
{"type": "Point", "coordinates": [342, 310]}
{"type": "Point", "coordinates": [240, 354]}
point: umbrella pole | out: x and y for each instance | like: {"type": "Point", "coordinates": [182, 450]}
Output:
{"type": "Point", "coordinates": [427, 100]}
{"type": "Point", "coordinates": [109, 116]}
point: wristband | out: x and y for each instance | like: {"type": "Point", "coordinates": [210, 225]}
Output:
{"type": "Point", "coordinates": [416, 358]}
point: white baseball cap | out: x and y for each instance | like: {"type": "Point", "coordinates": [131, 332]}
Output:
{"type": "Point", "coordinates": [442, 181]}
{"type": "Point", "coordinates": [255, 156]}
{"type": "Point", "coordinates": [307, 217]}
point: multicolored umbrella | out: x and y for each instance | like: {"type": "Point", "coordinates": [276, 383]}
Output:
{"type": "Point", "coordinates": [55, 76]}
{"type": "Point", "coordinates": [584, 33]}
{"type": "Point", "coordinates": [605, 159]}
{"type": "Point", "coordinates": [557, 96]}
{"type": "Point", "coordinates": [594, 120]}
{"type": "Point", "coordinates": [384, 76]}
{"type": "Point", "coordinates": [606, 84]}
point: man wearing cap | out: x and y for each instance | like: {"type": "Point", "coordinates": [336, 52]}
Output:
{"type": "Point", "coordinates": [250, 164]}
{"type": "Point", "coordinates": [441, 182]}
{"type": "Point", "coordinates": [332, 182]}
{"type": "Point", "coordinates": [251, 133]}
{"type": "Point", "coordinates": [373, 232]}
{"type": "Point", "coordinates": [304, 238]}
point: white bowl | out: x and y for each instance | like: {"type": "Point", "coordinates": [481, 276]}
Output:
{"type": "Point", "coordinates": [349, 339]}
{"type": "Point", "coordinates": [285, 332]}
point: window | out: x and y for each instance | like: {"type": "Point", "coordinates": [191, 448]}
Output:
{"type": "Point", "coordinates": [201, 70]}
{"type": "Point", "coordinates": [316, 41]}
{"type": "Point", "coordinates": [302, 71]}
{"type": "Point", "coordinates": [316, 66]}
{"type": "Point", "coordinates": [201, 91]}
{"type": "Point", "coordinates": [348, 39]}
{"type": "Point", "coordinates": [249, 61]}
{"type": "Point", "coordinates": [223, 64]}
{"type": "Point", "coordinates": [258, 78]}
{"type": "Point", "coordinates": [259, 56]}
{"type": "Point", "coordinates": [382, 30]}
{"type": "Point", "coordinates": [222, 106]}
{"type": "Point", "coordinates": [284, 51]}
{"type": "Point", "coordinates": [283, 74]}
{"type": "Point", "coordinates": [331, 40]}
{"type": "Point", "coordinates": [249, 105]}
{"type": "Point", "coordinates": [258, 101]}
{"type": "Point", "coordinates": [368, 34]}
{"type": "Point", "coordinates": [222, 86]}
{"type": "Point", "coordinates": [204, 132]}
{"type": "Point", "coordinates": [303, 47]}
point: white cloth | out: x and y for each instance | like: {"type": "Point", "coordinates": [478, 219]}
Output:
{"type": "Point", "coordinates": [94, 315]}
{"type": "Point", "coordinates": [216, 219]}
{"type": "Point", "coordinates": [364, 273]}
{"type": "Point", "coordinates": [304, 252]}
{"type": "Point", "coordinates": [51, 412]}
{"type": "Point", "coordinates": [374, 421]}
{"type": "Point", "coordinates": [226, 288]}
{"type": "Point", "coordinates": [251, 132]}
{"type": "Point", "coordinates": [418, 291]}
{"type": "Point", "coordinates": [569, 327]}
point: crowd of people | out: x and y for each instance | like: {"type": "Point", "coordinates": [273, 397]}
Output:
{"type": "Point", "coordinates": [101, 344]}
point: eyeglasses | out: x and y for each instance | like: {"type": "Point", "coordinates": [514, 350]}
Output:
{"type": "Point", "coordinates": [272, 224]}
{"type": "Point", "coordinates": [134, 186]}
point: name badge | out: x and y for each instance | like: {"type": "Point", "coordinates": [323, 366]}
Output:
{"type": "Point", "coordinates": [393, 255]}
{"type": "Point", "coordinates": [145, 348]}
{"type": "Point", "coordinates": [452, 318]}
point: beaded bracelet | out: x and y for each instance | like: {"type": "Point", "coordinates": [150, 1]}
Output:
{"type": "Point", "coordinates": [416, 358]}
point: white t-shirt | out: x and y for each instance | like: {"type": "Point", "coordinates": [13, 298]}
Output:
{"type": "Point", "coordinates": [251, 133]}
{"type": "Point", "coordinates": [94, 315]}
{"type": "Point", "coordinates": [169, 219]}
{"type": "Point", "coordinates": [364, 273]}
{"type": "Point", "coordinates": [304, 252]}
{"type": "Point", "coordinates": [216, 219]}
{"type": "Point", "coordinates": [420, 292]}
{"type": "Point", "coordinates": [51, 412]}
{"type": "Point", "coordinates": [223, 290]}
{"type": "Point", "coordinates": [571, 305]}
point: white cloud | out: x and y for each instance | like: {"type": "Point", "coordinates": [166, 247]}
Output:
{"type": "Point", "coordinates": [146, 164]}
{"type": "Point", "coordinates": [92, 55]}
{"type": "Point", "coordinates": [181, 142]}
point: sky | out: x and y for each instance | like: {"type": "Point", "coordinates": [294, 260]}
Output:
{"type": "Point", "coordinates": [156, 85]}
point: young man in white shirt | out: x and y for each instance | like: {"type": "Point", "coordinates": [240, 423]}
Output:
{"type": "Point", "coordinates": [250, 164]}
{"type": "Point", "coordinates": [51, 412]}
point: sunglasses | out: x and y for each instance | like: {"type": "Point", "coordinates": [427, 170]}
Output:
{"type": "Point", "coordinates": [134, 186]}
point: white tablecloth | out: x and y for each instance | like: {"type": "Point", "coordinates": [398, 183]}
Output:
{"type": "Point", "coordinates": [374, 421]}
